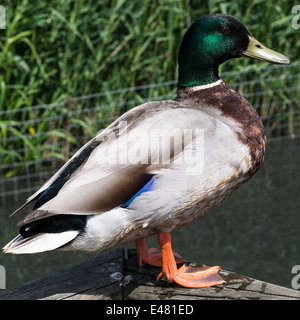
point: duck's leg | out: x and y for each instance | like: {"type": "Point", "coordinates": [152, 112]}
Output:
{"type": "Point", "coordinates": [151, 256]}
{"type": "Point", "coordinates": [186, 276]}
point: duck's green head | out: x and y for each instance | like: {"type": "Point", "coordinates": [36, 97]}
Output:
{"type": "Point", "coordinates": [213, 39]}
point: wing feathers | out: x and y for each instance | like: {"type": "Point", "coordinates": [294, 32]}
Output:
{"type": "Point", "coordinates": [89, 184]}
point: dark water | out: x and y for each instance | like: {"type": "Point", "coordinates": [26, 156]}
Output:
{"type": "Point", "coordinates": [254, 232]}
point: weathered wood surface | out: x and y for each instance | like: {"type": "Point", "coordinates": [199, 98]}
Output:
{"type": "Point", "coordinates": [87, 280]}
{"type": "Point", "coordinates": [111, 276]}
{"type": "Point", "coordinates": [143, 285]}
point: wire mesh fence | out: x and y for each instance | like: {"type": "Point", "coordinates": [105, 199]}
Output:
{"type": "Point", "coordinates": [36, 140]}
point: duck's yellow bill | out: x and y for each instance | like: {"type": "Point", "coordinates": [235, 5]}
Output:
{"type": "Point", "coordinates": [256, 50]}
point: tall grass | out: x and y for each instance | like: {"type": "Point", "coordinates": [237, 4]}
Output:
{"type": "Point", "coordinates": [53, 50]}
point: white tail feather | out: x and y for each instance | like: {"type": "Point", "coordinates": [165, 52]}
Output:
{"type": "Point", "coordinates": [39, 243]}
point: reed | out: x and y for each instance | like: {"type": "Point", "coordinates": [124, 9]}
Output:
{"type": "Point", "coordinates": [54, 50]}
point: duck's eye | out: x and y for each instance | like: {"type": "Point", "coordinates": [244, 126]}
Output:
{"type": "Point", "coordinates": [224, 30]}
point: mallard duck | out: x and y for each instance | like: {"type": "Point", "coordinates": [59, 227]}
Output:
{"type": "Point", "coordinates": [160, 165]}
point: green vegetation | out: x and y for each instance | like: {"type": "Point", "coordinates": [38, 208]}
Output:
{"type": "Point", "coordinates": [54, 50]}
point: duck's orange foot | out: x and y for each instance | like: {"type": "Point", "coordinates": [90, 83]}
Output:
{"type": "Point", "coordinates": [152, 256]}
{"type": "Point", "coordinates": [192, 277]}
{"type": "Point", "coordinates": [186, 276]}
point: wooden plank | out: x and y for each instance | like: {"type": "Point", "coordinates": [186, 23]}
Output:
{"type": "Point", "coordinates": [143, 285]}
{"type": "Point", "coordinates": [109, 276]}
{"type": "Point", "coordinates": [95, 278]}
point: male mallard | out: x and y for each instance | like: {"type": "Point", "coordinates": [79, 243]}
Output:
{"type": "Point", "coordinates": [161, 164]}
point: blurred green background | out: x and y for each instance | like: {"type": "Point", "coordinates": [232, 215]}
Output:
{"type": "Point", "coordinates": [55, 49]}
{"type": "Point", "coordinates": [52, 50]}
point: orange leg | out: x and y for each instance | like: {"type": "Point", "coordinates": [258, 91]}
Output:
{"type": "Point", "coordinates": [186, 276]}
{"type": "Point", "coordinates": [151, 256]}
